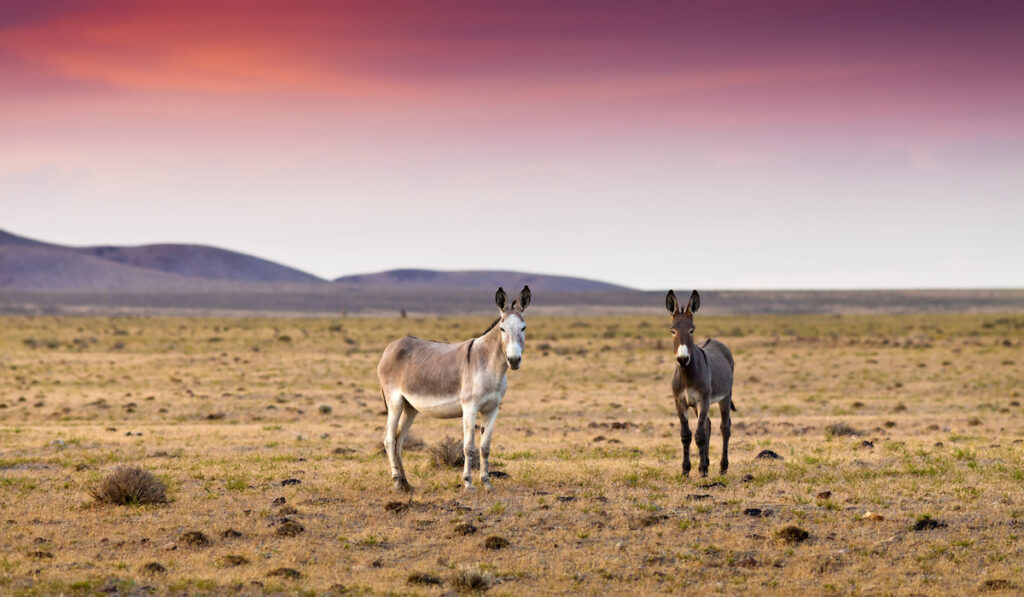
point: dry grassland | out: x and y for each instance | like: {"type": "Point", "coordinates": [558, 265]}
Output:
{"type": "Point", "coordinates": [901, 416]}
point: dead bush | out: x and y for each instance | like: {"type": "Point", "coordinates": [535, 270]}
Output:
{"type": "Point", "coordinates": [448, 454]}
{"type": "Point", "coordinates": [472, 579]}
{"type": "Point", "coordinates": [129, 486]}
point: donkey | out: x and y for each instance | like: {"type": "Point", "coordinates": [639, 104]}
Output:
{"type": "Point", "coordinates": [703, 377]}
{"type": "Point", "coordinates": [451, 380]}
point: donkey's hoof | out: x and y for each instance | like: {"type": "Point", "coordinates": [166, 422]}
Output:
{"type": "Point", "coordinates": [487, 485]}
{"type": "Point", "coordinates": [403, 485]}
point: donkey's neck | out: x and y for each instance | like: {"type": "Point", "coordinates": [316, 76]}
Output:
{"type": "Point", "coordinates": [490, 350]}
{"type": "Point", "coordinates": [693, 371]}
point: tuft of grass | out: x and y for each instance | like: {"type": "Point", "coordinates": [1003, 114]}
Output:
{"type": "Point", "coordinates": [840, 430]}
{"type": "Point", "coordinates": [128, 486]}
{"type": "Point", "coordinates": [472, 579]}
{"type": "Point", "coordinates": [424, 578]}
{"type": "Point", "coordinates": [792, 534]}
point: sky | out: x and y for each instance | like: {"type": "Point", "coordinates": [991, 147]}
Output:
{"type": "Point", "coordinates": [713, 145]}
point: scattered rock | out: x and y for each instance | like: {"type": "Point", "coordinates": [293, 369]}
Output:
{"type": "Point", "coordinates": [465, 529]}
{"type": "Point", "coordinates": [152, 568]}
{"type": "Point", "coordinates": [747, 478]}
{"type": "Point", "coordinates": [288, 511]}
{"type": "Point", "coordinates": [872, 516]}
{"type": "Point", "coordinates": [712, 485]}
{"type": "Point", "coordinates": [496, 542]}
{"type": "Point", "coordinates": [324, 409]}
{"type": "Point", "coordinates": [566, 498]}
{"type": "Point", "coordinates": [230, 534]}
{"type": "Point", "coordinates": [195, 539]}
{"type": "Point", "coordinates": [344, 451]}
{"type": "Point", "coordinates": [927, 523]}
{"type": "Point", "coordinates": [889, 424]}
{"type": "Point", "coordinates": [288, 482]}
{"type": "Point", "coordinates": [289, 529]}
{"type": "Point", "coordinates": [974, 422]}
{"type": "Point", "coordinates": [231, 561]}
{"type": "Point", "coordinates": [867, 444]}
{"type": "Point", "coordinates": [792, 534]}
{"type": "Point", "coordinates": [746, 562]}
{"type": "Point", "coordinates": [41, 555]}
{"type": "Point", "coordinates": [215, 416]}
{"type": "Point", "coordinates": [698, 496]}
{"type": "Point", "coordinates": [900, 407]}
{"type": "Point", "coordinates": [500, 475]}
{"type": "Point", "coordinates": [171, 546]}
{"type": "Point", "coordinates": [758, 512]}
{"type": "Point", "coordinates": [824, 495]}
{"type": "Point", "coordinates": [289, 573]}
{"type": "Point", "coordinates": [768, 454]}
{"type": "Point", "coordinates": [424, 578]}
{"type": "Point", "coordinates": [278, 501]}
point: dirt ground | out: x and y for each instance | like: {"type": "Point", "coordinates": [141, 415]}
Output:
{"type": "Point", "coordinates": [915, 419]}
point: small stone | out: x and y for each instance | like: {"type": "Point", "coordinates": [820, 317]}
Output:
{"type": "Point", "coordinates": [769, 455]}
{"type": "Point", "coordinates": [288, 482]}
{"type": "Point", "coordinates": [465, 529]}
{"type": "Point", "coordinates": [278, 501]}
{"type": "Point", "coordinates": [746, 562]}
{"type": "Point", "coordinates": [824, 495]}
{"type": "Point", "coordinates": [230, 534]}
{"type": "Point", "coordinates": [171, 546]}
{"type": "Point", "coordinates": [289, 573]}
{"type": "Point", "coordinates": [872, 516]}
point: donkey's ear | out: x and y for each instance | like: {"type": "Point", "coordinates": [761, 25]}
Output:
{"type": "Point", "coordinates": [524, 298]}
{"type": "Point", "coordinates": [671, 303]}
{"type": "Point", "coordinates": [500, 298]}
{"type": "Point", "coordinates": [694, 303]}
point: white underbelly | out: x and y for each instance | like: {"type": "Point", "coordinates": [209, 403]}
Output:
{"type": "Point", "coordinates": [694, 399]}
{"type": "Point", "coordinates": [439, 407]}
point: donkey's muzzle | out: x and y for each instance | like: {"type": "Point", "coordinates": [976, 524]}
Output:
{"type": "Point", "coordinates": [683, 361]}
{"type": "Point", "coordinates": [513, 362]}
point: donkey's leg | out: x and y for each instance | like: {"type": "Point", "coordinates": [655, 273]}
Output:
{"type": "Point", "coordinates": [703, 436]}
{"type": "Point", "coordinates": [725, 405]}
{"type": "Point", "coordinates": [395, 408]}
{"type": "Point", "coordinates": [685, 435]}
{"type": "Point", "coordinates": [468, 443]}
{"type": "Point", "coordinates": [485, 448]}
{"type": "Point", "coordinates": [404, 423]}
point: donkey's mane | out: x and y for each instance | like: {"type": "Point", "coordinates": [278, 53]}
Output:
{"type": "Point", "coordinates": [491, 327]}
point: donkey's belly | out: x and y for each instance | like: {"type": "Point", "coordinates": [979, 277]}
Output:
{"type": "Point", "coordinates": [438, 407]}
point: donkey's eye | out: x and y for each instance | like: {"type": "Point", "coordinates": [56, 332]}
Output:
{"type": "Point", "coordinates": [691, 330]}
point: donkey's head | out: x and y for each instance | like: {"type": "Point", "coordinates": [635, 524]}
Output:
{"type": "Point", "coordinates": [512, 325]}
{"type": "Point", "coordinates": [682, 325]}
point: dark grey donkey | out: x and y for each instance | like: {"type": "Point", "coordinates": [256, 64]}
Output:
{"type": "Point", "coordinates": [703, 377]}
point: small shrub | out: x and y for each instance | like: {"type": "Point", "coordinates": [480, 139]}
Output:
{"type": "Point", "coordinates": [792, 534]}
{"type": "Point", "coordinates": [129, 486]}
{"type": "Point", "coordinates": [195, 539]}
{"type": "Point", "coordinates": [152, 568]}
{"type": "Point", "coordinates": [231, 561]}
{"type": "Point", "coordinates": [424, 578]}
{"type": "Point", "coordinates": [840, 430]}
{"type": "Point", "coordinates": [472, 579]}
{"type": "Point", "coordinates": [289, 573]}
{"type": "Point", "coordinates": [448, 454]}
{"type": "Point", "coordinates": [496, 542]}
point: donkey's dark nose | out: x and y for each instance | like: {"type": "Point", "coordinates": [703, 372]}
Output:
{"type": "Point", "coordinates": [683, 362]}
{"type": "Point", "coordinates": [514, 362]}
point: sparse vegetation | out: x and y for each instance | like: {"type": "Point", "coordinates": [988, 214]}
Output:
{"type": "Point", "coordinates": [617, 513]}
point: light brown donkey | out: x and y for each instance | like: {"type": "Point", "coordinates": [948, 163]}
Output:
{"type": "Point", "coordinates": [703, 377]}
{"type": "Point", "coordinates": [451, 380]}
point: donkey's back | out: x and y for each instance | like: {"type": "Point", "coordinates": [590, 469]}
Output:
{"type": "Point", "coordinates": [721, 368]}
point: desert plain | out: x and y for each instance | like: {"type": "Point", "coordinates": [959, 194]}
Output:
{"type": "Point", "coordinates": [900, 437]}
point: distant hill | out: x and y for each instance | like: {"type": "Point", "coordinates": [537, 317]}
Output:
{"type": "Point", "coordinates": [31, 264]}
{"type": "Point", "coordinates": [32, 267]}
{"type": "Point", "coordinates": [202, 262]}
{"type": "Point", "coordinates": [483, 279]}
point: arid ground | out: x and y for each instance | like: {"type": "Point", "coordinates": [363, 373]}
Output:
{"type": "Point", "coordinates": [916, 419]}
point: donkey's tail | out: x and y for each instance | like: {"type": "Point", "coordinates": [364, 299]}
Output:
{"type": "Point", "coordinates": [732, 405]}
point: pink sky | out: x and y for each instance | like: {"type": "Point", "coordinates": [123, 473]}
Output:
{"type": "Point", "coordinates": [725, 144]}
